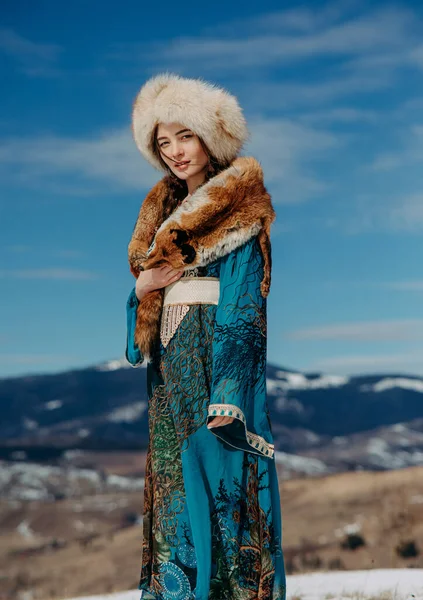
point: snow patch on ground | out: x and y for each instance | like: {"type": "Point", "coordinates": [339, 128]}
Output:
{"type": "Point", "coordinates": [24, 529]}
{"type": "Point", "coordinates": [128, 413]}
{"type": "Point", "coordinates": [53, 404]}
{"type": "Point", "coordinates": [382, 455]}
{"type": "Point", "coordinates": [301, 464]}
{"type": "Point", "coordinates": [394, 382]}
{"type": "Point", "coordinates": [403, 584]}
{"type": "Point", "coordinates": [115, 365]}
{"type": "Point", "coordinates": [31, 481]}
{"type": "Point", "coordinates": [298, 381]}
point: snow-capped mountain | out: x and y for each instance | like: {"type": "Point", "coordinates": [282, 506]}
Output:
{"type": "Point", "coordinates": [321, 422]}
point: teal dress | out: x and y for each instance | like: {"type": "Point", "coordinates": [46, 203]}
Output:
{"type": "Point", "coordinates": [212, 517]}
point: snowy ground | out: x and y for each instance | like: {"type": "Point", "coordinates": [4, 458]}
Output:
{"type": "Point", "coordinates": [397, 584]}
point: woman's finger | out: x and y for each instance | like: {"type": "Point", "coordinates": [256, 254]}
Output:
{"type": "Point", "coordinates": [223, 421]}
{"type": "Point", "coordinates": [175, 275]}
{"type": "Point", "coordinates": [166, 269]}
{"type": "Point", "coordinates": [219, 421]}
{"type": "Point", "coordinates": [213, 423]}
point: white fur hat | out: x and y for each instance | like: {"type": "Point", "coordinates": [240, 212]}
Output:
{"type": "Point", "coordinates": [209, 111]}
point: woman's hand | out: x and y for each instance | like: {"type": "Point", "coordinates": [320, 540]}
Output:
{"type": "Point", "coordinates": [219, 421]}
{"type": "Point", "coordinates": [154, 279]}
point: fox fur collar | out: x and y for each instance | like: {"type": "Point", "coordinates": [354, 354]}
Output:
{"type": "Point", "coordinates": [224, 213]}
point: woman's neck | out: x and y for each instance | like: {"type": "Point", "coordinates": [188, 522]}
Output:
{"type": "Point", "coordinates": [194, 182]}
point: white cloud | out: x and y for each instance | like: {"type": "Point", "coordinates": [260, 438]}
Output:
{"type": "Point", "coordinates": [34, 59]}
{"type": "Point", "coordinates": [341, 115]}
{"type": "Point", "coordinates": [387, 162]}
{"type": "Point", "coordinates": [19, 249]}
{"type": "Point", "coordinates": [412, 104]}
{"type": "Point", "coordinates": [364, 331]}
{"type": "Point", "coordinates": [409, 55]}
{"type": "Point", "coordinates": [33, 359]}
{"type": "Point", "coordinates": [392, 211]}
{"type": "Point", "coordinates": [366, 49]}
{"type": "Point", "coordinates": [107, 159]}
{"type": "Point", "coordinates": [416, 56]}
{"type": "Point", "coordinates": [25, 249]}
{"type": "Point", "coordinates": [406, 214]}
{"type": "Point", "coordinates": [383, 212]}
{"type": "Point", "coordinates": [387, 28]}
{"type": "Point", "coordinates": [400, 214]}
{"type": "Point", "coordinates": [405, 286]}
{"type": "Point", "coordinates": [68, 253]}
{"type": "Point", "coordinates": [411, 362]}
{"type": "Point", "coordinates": [293, 20]}
{"type": "Point", "coordinates": [48, 273]}
{"type": "Point", "coordinates": [267, 95]}
{"type": "Point", "coordinates": [111, 162]}
{"type": "Point", "coordinates": [410, 142]}
{"type": "Point", "coordinates": [286, 149]}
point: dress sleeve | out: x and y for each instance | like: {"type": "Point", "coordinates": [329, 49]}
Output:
{"type": "Point", "coordinates": [132, 353]}
{"type": "Point", "coordinates": [239, 347]}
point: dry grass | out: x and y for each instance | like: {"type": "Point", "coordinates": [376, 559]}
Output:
{"type": "Point", "coordinates": [313, 510]}
{"type": "Point", "coordinates": [316, 511]}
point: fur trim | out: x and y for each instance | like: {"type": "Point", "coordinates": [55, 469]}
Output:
{"type": "Point", "coordinates": [208, 110]}
{"type": "Point", "coordinates": [221, 215]}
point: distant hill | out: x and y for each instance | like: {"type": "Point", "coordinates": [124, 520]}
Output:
{"type": "Point", "coordinates": [334, 423]}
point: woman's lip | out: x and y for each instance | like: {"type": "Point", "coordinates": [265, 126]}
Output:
{"type": "Point", "coordinates": [182, 166]}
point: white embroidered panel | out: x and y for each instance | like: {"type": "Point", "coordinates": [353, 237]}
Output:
{"type": "Point", "coordinates": [173, 314]}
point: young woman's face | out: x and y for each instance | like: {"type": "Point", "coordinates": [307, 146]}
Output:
{"type": "Point", "coordinates": [181, 150]}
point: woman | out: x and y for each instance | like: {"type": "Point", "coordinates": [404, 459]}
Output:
{"type": "Point", "coordinates": [201, 254]}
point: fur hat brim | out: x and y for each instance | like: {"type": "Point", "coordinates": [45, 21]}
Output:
{"type": "Point", "coordinates": [208, 110]}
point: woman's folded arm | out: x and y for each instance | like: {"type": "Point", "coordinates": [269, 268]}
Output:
{"type": "Point", "coordinates": [239, 346]}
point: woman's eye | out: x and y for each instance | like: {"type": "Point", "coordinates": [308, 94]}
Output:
{"type": "Point", "coordinates": [187, 135]}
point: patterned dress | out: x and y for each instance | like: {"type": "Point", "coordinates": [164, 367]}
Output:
{"type": "Point", "coordinates": [212, 518]}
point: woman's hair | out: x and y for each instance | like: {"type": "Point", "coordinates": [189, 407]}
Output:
{"type": "Point", "coordinates": [177, 187]}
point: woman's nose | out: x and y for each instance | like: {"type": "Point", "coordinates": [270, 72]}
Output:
{"type": "Point", "coordinates": [177, 150]}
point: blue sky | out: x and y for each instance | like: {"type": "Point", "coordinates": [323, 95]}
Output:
{"type": "Point", "coordinates": [333, 95]}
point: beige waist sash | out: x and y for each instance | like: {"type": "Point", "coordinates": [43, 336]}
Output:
{"type": "Point", "coordinates": [192, 290]}
{"type": "Point", "coordinates": [179, 296]}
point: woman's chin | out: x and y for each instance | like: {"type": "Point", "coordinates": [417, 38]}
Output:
{"type": "Point", "coordinates": [181, 175]}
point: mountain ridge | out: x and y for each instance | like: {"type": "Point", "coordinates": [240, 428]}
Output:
{"type": "Point", "coordinates": [343, 422]}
